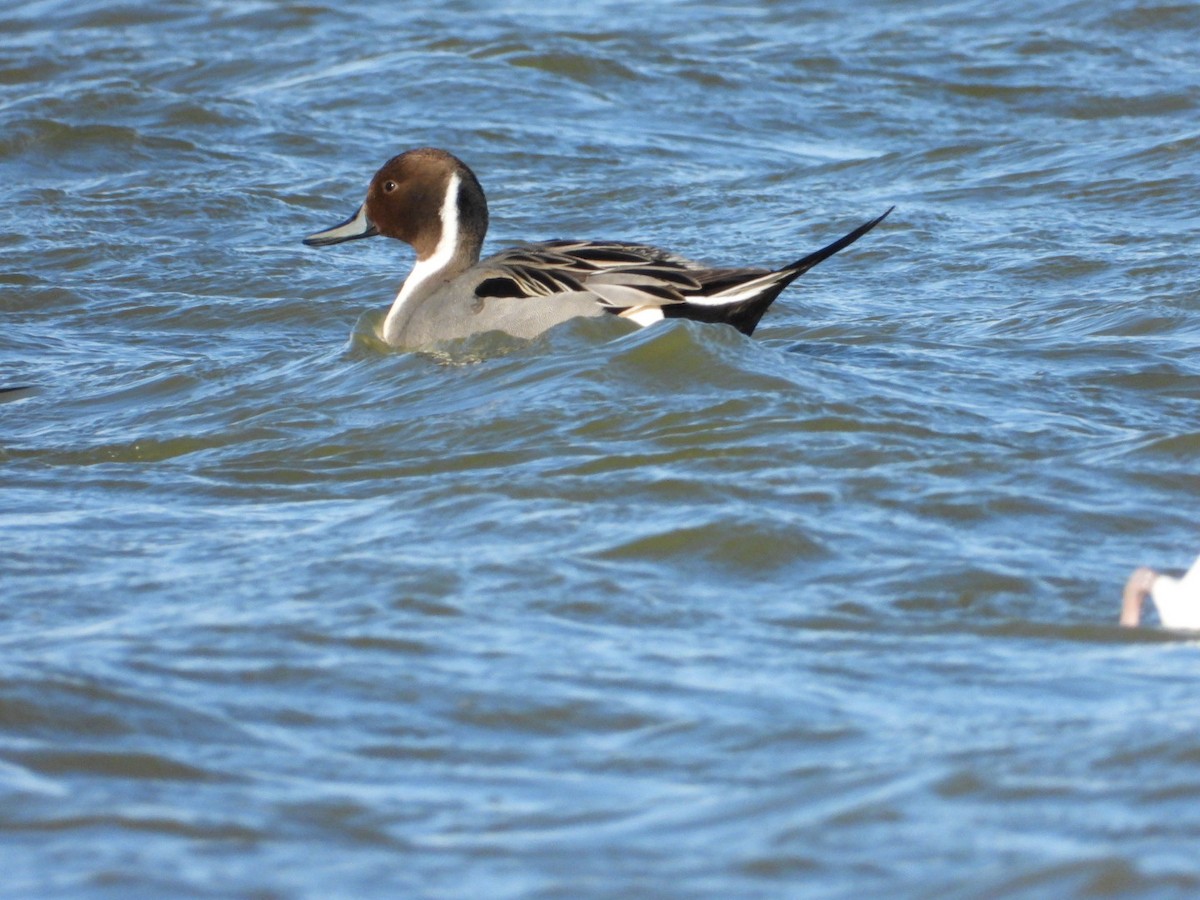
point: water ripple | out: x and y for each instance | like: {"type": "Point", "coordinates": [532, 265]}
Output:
{"type": "Point", "coordinates": [614, 611]}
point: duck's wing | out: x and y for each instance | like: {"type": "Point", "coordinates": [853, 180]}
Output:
{"type": "Point", "coordinates": [620, 276]}
{"type": "Point", "coordinates": [646, 283]}
{"type": "Point", "coordinates": [603, 268]}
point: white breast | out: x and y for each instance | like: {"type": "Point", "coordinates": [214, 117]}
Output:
{"type": "Point", "coordinates": [427, 268]}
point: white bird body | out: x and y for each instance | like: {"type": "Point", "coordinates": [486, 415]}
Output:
{"type": "Point", "coordinates": [1176, 599]}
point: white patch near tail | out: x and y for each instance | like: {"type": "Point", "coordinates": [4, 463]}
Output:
{"type": "Point", "coordinates": [643, 315]}
{"type": "Point", "coordinates": [738, 294]}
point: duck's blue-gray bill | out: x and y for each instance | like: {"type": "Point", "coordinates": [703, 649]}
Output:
{"type": "Point", "coordinates": [357, 226]}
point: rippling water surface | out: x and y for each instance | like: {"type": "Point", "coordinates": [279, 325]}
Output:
{"type": "Point", "coordinates": [670, 612]}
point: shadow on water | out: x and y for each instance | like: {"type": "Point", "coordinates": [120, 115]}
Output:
{"type": "Point", "coordinates": [9, 394]}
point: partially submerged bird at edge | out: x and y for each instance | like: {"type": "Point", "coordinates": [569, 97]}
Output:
{"type": "Point", "coordinates": [431, 200]}
{"type": "Point", "coordinates": [1177, 600]}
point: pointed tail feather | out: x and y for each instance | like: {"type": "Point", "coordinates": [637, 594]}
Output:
{"type": "Point", "coordinates": [802, 265]}
{"type": "Point", "coordinates": [742, 306]}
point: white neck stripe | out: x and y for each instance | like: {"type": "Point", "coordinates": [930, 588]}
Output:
{"type": "Point", "coordinates": [424, 269]}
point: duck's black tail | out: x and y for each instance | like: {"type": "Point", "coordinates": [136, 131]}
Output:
{"type": "Point", "coordinates": [800, 266]}
{"type": "Point", "coordinates": [743, 304]}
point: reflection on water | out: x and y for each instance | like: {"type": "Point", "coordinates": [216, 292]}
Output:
{"type": "Point", "coordinates": [615, 611]}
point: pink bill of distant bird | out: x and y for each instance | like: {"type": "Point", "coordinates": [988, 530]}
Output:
{"type": "Point", "coordinates": [1176, 599]}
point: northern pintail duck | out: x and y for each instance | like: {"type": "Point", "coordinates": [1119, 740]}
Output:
{"type": "Point", "coordinates": [432, 200]}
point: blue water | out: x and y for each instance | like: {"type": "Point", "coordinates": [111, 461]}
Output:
{"type": "Point", "coordinates": [827, 612]}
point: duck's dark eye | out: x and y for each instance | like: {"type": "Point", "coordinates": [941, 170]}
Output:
{"type": "Point", "coordinates": [389, 186]}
